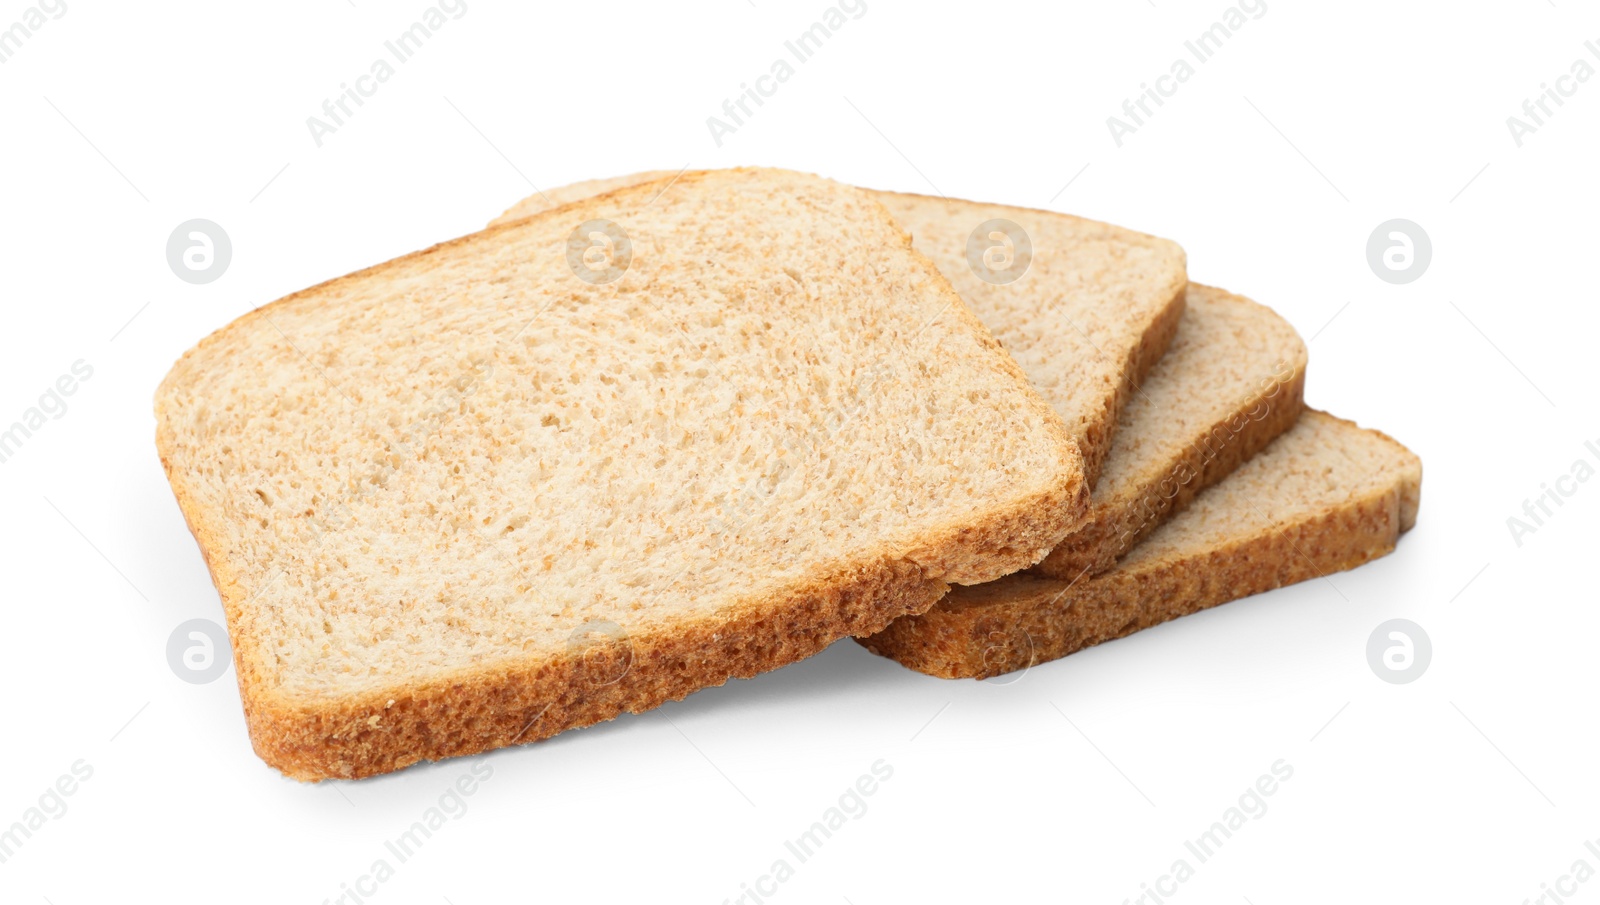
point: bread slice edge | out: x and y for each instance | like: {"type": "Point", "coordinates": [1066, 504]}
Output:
{"type": "Point", "coordinates": [1113, 528]}
{"type": "Point", "coordinates": [1041, 619]}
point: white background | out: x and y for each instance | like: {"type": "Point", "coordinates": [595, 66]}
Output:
{"type": "Point", "coordinates": [1080, 782]}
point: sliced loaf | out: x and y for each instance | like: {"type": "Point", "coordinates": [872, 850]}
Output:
{"type": "Point", "coordinates": [517, 483]}
{"type": "Point", "coordinates": [1325, 496]}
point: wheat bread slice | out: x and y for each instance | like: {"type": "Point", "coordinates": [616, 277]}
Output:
{"type": "Point", "coordinates": [466, 498]}
{"type": "Point", "coordinates": [1324, 497]}
{"type": "Point", "coordinates": [1091, 312]}
{"type": "Point", "coordinates": [1232, 380]}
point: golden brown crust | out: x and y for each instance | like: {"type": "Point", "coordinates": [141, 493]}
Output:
{"type": "Point", "coordinates": [1100, 431]}
{"type": "Point", "coordinates": [497, 704]}
{"type": "Point", "coordinates": [1141, 358]}
{"type": "Point", "coordinates": [515, 703]}
{"type": "Point", "coordinates": [1112, 530]}
{"type": "Point", "coordinates": [1023, 620]}
{"type": "Point", "coordinates": [1041, 623]}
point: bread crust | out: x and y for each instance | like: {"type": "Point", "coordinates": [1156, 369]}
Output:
{"type": "Point", "coordinates": [1099, 431]}
{"type": "Point", "coordinates": [492, 705]}
{"type": "Point", "coordinates": [1114, 527]}
{"type": "Point", "coordinates": [1141, 359]}
{"type": "Point", "coordinates": [1024, 620]}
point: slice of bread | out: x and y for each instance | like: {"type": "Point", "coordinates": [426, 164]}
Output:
{"type": "Point", "coordinates": [1325, 496]}
{"type": "Point", "coordinates": [468, 498]}
{"type": "Point", "coordinates": [1092, 312]}
{"type": "Point", "coordinates": [1231, 381]}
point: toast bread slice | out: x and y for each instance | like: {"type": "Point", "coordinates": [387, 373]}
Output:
{"type": "Point", "coordinates": [1324, 497]}
{"type": "Point", "coordinates": [500, 488]}
{"type": "Point", "coordinates": [1092, 311]}
{"type": "Point", "coordinates": [1232, 380]}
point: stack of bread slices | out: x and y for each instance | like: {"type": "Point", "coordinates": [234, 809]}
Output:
{"type": "Point", "coordinates": [646, 434]}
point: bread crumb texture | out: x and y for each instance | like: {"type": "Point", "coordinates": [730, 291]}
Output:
{"type": "Point", "coordinates": [465, 499]}
{"type": "Point", "coordinates": [1091, 315]}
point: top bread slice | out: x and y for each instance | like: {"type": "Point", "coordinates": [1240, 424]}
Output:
{"type": "Point", "coordinates": [518, 482]}
{"type": "Point", "coordinates": [1325, 496]}
{"type": "Point", "coordinates": [1092, 313]}
{"type": "Point", "coordinates": [1232, 380]}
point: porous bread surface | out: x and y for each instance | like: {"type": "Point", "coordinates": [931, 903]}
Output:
{"type": "Point", "coordinates": [1232, 380]}
{"type": "Point", "coordinates": [441, 496]}
{"type": "Point", "coordinates": [1325, 496]}
{"type": "Point", "coordinates": [1092, 314]}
